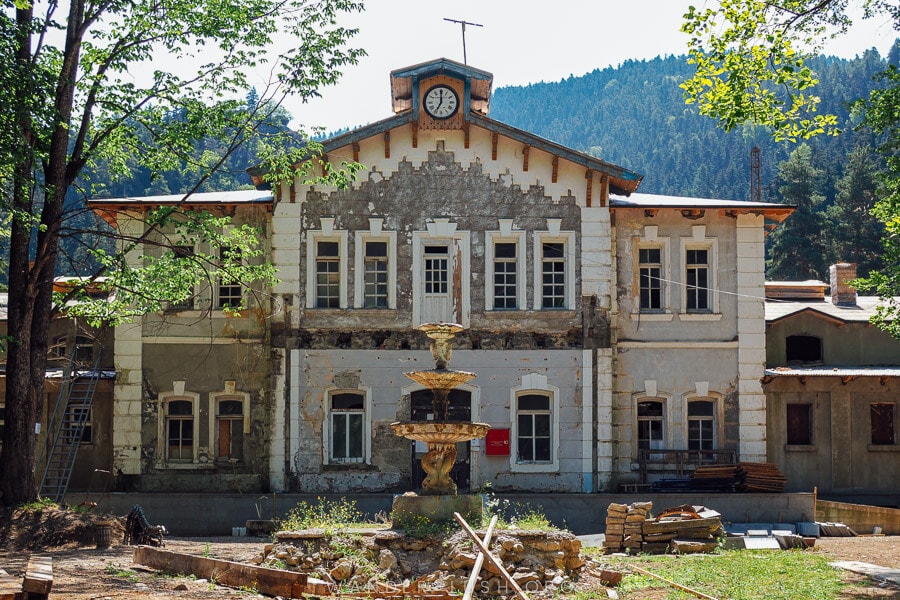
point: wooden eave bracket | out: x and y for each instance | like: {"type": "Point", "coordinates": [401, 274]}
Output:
{"type": "Point", "coordinates": [494, 137]}
{"type": "Point", "coordinates": [355, 147]}
{"type": "Point", "coordinates": [650, 212]}
{"type": "Point", "coordinates": [526, 150]}
{"type": "Point", "coordinates": [847, 379]}
{"type": "Point", "coordinates": [692, 213]}
{"type": "Point", "coordinates": [555, 177]}
{"type": "Point", "coordinates": [415, 135]}
{"type": "Point", "coordinates": [589, 175]}
{"type": "Point", "coordinates": [466, 135]}
{"type": "Point", "coordinates": [767, 379]}
{"type": "Point", "coordinates": [387, 144]}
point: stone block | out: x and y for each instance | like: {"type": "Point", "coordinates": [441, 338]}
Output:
{"type": "Point", "coordinates": [437, 508]}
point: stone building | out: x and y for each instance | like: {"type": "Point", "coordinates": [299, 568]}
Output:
{"type": "Point", "coordinates": [832, 386]}
{"type": "Point", "coordinates": [616, 336]}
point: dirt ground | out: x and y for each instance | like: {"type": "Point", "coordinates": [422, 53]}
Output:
{"type": "Point", "coordinates": [83, 572]}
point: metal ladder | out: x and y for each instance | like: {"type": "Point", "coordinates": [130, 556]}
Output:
{"type": "Point", "coordinates": [66, 426]}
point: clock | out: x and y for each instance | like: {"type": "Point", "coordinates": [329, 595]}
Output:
{"type": "Point", "coordinates": [441, 102]}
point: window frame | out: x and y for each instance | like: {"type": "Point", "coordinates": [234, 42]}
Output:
{"type": "Point", "coordinates": [567, 238]}
{"type": "Point", "coordinates": [535, 384]}
{"type": "Point", "coordinates": [810, 420]}
{"type": "Point", "coordinates": [441, 230]}
{"type": "Point", "coordinates": [359, 290]}
{"type": "Point", "coordinates": [214, 417]}
{"type": "Point", "coordinates": [788, 360]}
{"type": "Point", "coordinates": [328, 426]}
{"type": "Point", "coordinates": [162, 446]}
{"type": "Point", "coordinates": [504, 237]}
{"type": "Point", "coordinates": [699, 241]}
{"type": "Point", "coordinates": [714, 419]}
{"type": "Point", "coordinates": [327, 234]}
{"type": "Point", "coordinates": [218, 305]}
{"type": "Point", "coordinates": [650, 240]}
{"type": "Point", "coordinates": [892, 427]}
{"type": "Point", "coordinates": [662, 419]}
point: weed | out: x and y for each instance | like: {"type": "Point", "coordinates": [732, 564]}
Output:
{"type": "Point", "coordinates": [420, 526]}
{"type": "Point", "coordinates": [329, 515]}
{"type": "Point", "coordinates": [38, 505]}
{"type": "Point", "coordinates": [121, 572]}
{"type": "Point", "coordinates": [207, 550]}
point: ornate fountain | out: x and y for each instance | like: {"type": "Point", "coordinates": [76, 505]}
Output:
{"type": "Point", "coordinates": [441, 435]}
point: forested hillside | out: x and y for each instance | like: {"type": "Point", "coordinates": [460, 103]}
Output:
{"type": "Point", "coordinates": [634, 115]}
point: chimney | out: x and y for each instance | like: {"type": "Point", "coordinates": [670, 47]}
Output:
{"type": "Point", "coordinates": [841, 293]}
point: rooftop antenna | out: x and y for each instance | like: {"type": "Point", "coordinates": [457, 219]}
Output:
{"type": "Point", "coordinates": [463, 23]}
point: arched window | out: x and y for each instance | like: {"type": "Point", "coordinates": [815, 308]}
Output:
{"type": "Point", "coordinates": [347, 427]}
{"type": "Point", "coordinates": [533, 419]}
{"type": "Point", "coordinates": [803, 349]}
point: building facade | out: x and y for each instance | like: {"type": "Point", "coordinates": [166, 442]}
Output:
{"type": "Point", "coordinates": [616, 336]}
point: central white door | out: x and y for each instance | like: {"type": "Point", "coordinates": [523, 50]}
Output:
{"type": "Point", "coordinates": [437, 279]}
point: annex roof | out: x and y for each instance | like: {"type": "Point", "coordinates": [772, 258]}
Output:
{"type": "Point", "coordinates": [843, 372]}
{"type": "Point", "coordinates": [862, 311]}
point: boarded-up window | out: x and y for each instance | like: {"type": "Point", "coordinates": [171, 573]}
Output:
{"type": "Point", "coordinates": [799, 424]}
{"type": "Point", "coordinates": [230, 430]}
{"type": "Point", "coordinates": [883, 427]}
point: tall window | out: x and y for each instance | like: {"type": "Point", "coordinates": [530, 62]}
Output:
{"type": "Point", "coordinates": [505, 273]}
{"type": "Point", "coordinates": [375, 283]}
{"type": "Point", "coordinates": [799, 424]}
{"type": "Point", "coordinates": [650, 273]}
{"type": "Point", "coordinates": [347, 423]}
{"type": "Point", "coordinates": [553, 275]}
{"type": "Point", "coordinates": [701, 425]}
{"type": "Point", "coordinates": [183, 252]}
{"type": "Point", "coordinates": [230, 293]}
{"type": "Point", "coordinates": [328, 274]}
{"type": "Point", "coordinates": [180, 430]}
{"type": "Point", "coordinates": [230, 430]}
{"type": "Point", "coordinates": [533, 416]}
{"type": "Point", "coordinates": [883, 415]}
{"type": "Point", "coordinates": [650, 425]}
{"type": "Point", "coordinates": [697, 279]}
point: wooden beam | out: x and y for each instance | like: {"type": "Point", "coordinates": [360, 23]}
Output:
{"type": "Point", "coordinates": [847, 379]}
{"type": "Point", "coordinates": [525, 150]}
{"type": "Point", "coordinates": [555, 176]}
{"type": "Point", "coordinates": [271, 582]}
{"type": "Point", "coordinates": [355, 151]}
{"type": "Point", "coordinates": [10, 587]}
{"type": "Point", "coordinates": [479, 562]}
{"type": "Point", "coordinates": [490, 557]}
{"type": "Point", "coordinates": [38, 576]}
{"type": "Point", "coordinates": [650, 212]}
{"type": "Point", "coordinates": [883, 379]}
{"type": "Point", "coordinates": [683, 588]}
{"type": "Point", "coordinates": [494, 146]}
{"type": "Point", "coordinates": [604, 190]}
{"type": "Point", "coordinates": [415, 134]}
{"type": "Point", "coordinates": [466, 135]}
{"type": "Point", "coordinates": [767, 379]}
{"type": "Point", "coordinates": [387, 144]}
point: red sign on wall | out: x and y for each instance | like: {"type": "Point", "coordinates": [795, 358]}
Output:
{"type": "Point", "coordinates": [497, 442]}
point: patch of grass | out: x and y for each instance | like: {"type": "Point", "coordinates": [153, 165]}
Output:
{"type": "Point", "coordinates": [515, 515]}
{"type": "Point", "coordinates": [122, 573]}
{"type": "Point", "coordinates": [420, 526]}
{"type": "Point", "coordinates": [737, 575]}
{"type": "Point", "coordinates": [329, 515]}
{"type": "Point", "coordinates": [38, 505]}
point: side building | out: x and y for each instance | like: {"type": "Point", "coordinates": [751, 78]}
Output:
{"type": "Point", "coordinates": [832, 387]}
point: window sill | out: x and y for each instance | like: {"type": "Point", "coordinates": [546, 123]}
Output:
{"type": "Point", "coordinates": [549, 467]}
{"type": "Point", "coordinates": [699, 316]}
{"type": "Point", "coordinates": [357, 466]}
{"type": "Point", "coordinates": [883, 448]}
{"type": "Point", "coordinates": [652, 316]}
{"type": "Point", "coordinates": [800, 448]}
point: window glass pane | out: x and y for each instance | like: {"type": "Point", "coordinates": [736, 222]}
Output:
{"type": "Point", "coordinates": [542, 425]}
{"type": "Point", "coordinates": [542, 449]}
{"type": "Point", "coordinates": [799, 424]}
{"type": "Point", "coordinates": [355, 431]}
{"type": "Point", "coordinates": [883, 427]}
{"type": "Point", "coordinates": [649, 255]}
{"type": "Point", "coordinates": [526, 451]}
{"type": "Point", "coordinates": [339, 435]}
{"type": "Point", "coordinates": [376, 249]}
{"type": "Point", "coordinates": [554, 250]}
{"type": "Point", "coordinates": [231, 407]}
{"type": "Point", "coordinates": [327, 248]}
{"type": "Point", "coordinates": [347, 402]}
{"type": "Point", "coordinates": [505, 250]}
{"type": "Point", "coordinates": [650, 409]}
{"type": "Point", "coordinates": [180, 407]}
{"type": "Point", "coordinates": [526, 425]}
{"type": "Point", "coordinates": [436, 249]}
{"type": "Point", "coordinates": [701, 408]}
{"type": "Point", "coordinates": [534, 402]}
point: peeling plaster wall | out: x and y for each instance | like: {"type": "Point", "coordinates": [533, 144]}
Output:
{"type": "Point", "coordinates": [314, 372]}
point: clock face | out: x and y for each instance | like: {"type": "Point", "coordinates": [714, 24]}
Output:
{"type": "Point", "coordinates": [441, 102]}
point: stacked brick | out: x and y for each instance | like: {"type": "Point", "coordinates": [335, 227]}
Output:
{"type": "Point", "coordinates": [625, 525]}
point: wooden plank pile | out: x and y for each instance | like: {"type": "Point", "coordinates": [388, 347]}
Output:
{"type": "Point", "coordinates": [679, 529]}
{"type": "Point", "coordinates": [761, 477]}
{"type": "Point", "coordinates": [36, 584]}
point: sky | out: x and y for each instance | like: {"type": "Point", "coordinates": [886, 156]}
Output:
{"type": "Point", "coordinates": [520, 42]}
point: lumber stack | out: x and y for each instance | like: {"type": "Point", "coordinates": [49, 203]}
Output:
{"type": "Point", "coordinates": [615, 526]}
{"type": "Point", "coordinates": [679, 529]}
{"type": "Point", "coordinates": [761, 477]}
{"type": "Point", "coordinates": [625, 525]}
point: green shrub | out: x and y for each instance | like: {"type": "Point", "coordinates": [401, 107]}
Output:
{"type": "Point", "coordinates": [329, 515]}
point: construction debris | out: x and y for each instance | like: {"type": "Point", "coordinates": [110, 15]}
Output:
{"type": "Point", "coordinates": [679, 529]}
{"type": "Point", "coordinates": [38, 577]}
{"type": "Point", "coordinates": [742, 477]}
{"type": "Point", "coordinates": [10, 587]}
{"type": "Point", "coordinates": [139, 531]}
{"type": "Point", "coordinates": [835, 530]}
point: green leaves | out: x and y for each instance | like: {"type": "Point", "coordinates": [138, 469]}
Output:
{"type": "Point", "coordinates": [747, 67]}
